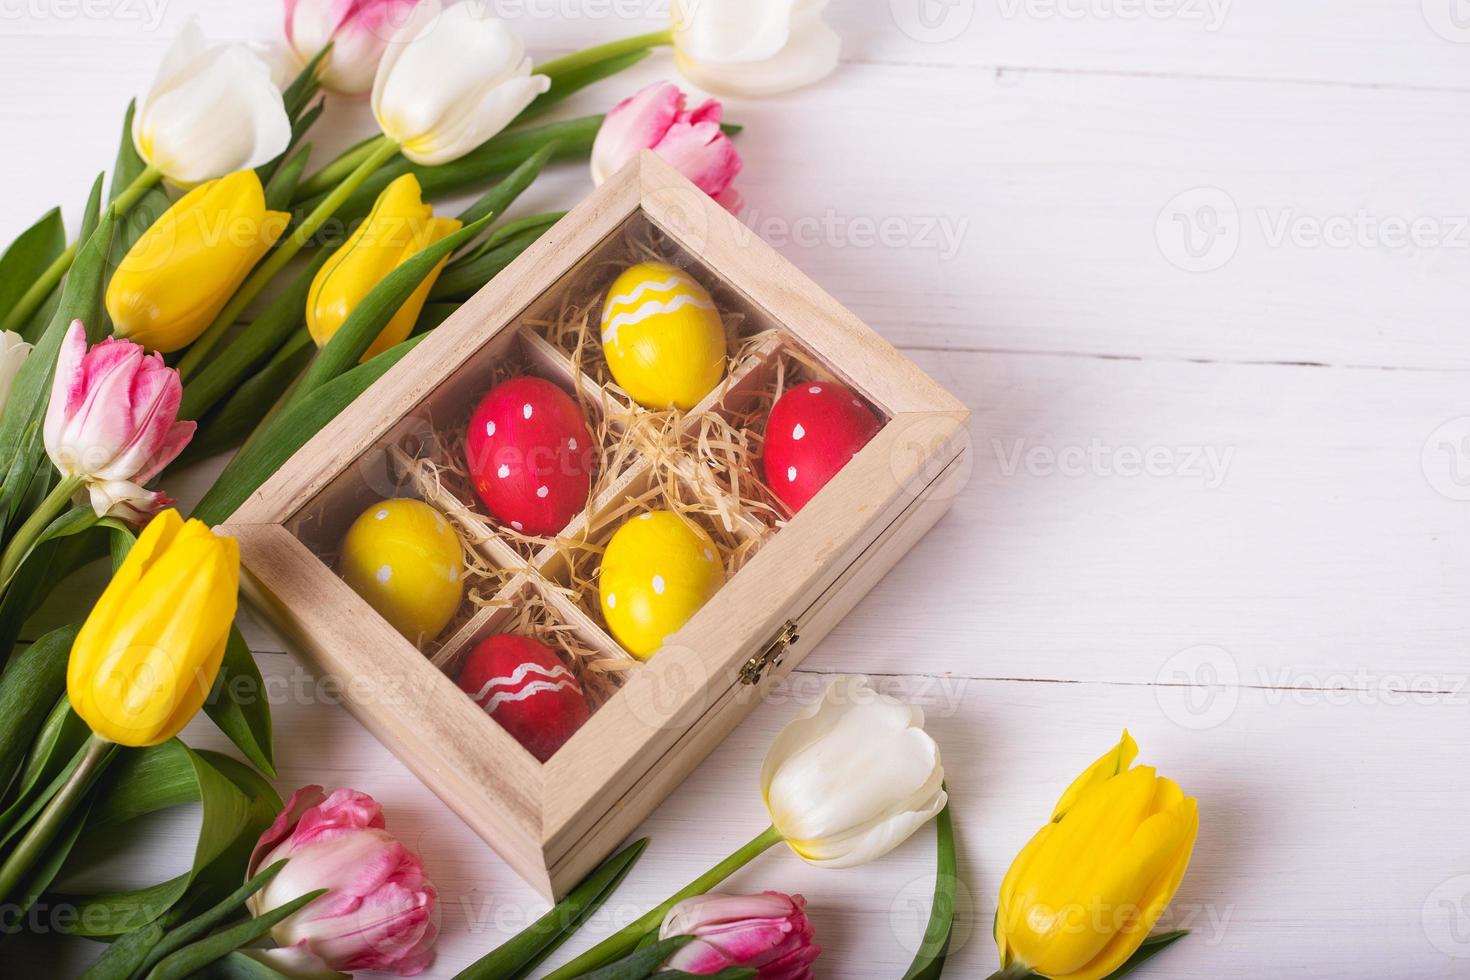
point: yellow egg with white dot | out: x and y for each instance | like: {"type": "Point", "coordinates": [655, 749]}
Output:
{"type": "Point", "coordinates": [657, 571]}
{"type": "Point", "coordinates": [402, 556]}
{"type": "Point", "coordinates": [662, 336]}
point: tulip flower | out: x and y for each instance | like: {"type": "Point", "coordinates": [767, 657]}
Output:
{"type": "Point", "coordinates": [845, 783]}
{"type": "Point", "coordinates": [376, 914]}
{"type": "Point", "coordinates": [111, 425]}
{"type": "Point", "coordinates": [451, 79]}
{"type": "Point", "coordinates": [1081, 897]}
{"type": "Point", "coordinates": [13, 351]}
{"type": "Point", "coordinates": [181, 272]}
{"type": "Point", "coordinates": [144, 660]}
{"type": "Point", "coordinates": [358, 31]}
{"type": "Point", "coordinates": [213, 109]}
{"type": "Point", "coordinates": [768, 932]}
{"type": "Point", "coordinates": [399, 226]}
{"type": "Point", "coordinates": [753, 47]}
{"type": "Point", "coordinates": [689, 140]}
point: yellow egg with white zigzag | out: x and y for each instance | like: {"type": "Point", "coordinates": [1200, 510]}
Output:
{"type": "Point", "coordinates": [662, 336]}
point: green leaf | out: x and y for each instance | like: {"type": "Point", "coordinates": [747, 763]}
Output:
{"type": "Point", "coordinates": [28, 690]}
{"type": "Point", "coordinates": [54, 752]}
{"type": "Point", "coordinates": [225, 372]}
{"type": "Point", "coordinates": [196, 928]}
{"type": "Point", "coordinates": [20, 429]}
{"type": "Point", "coordinates": [517, 957]}
{"type": "Point", "coordinates": [464, 281]}
{"type": "Point", "coordinates": [150, 206]}
{"type": "Point", "coordinates": [283, 182]}
{"type": "Point", "coordinates": [239, 706]}
{"type": "Point", "coordinates": [929, 962]}
{"type": "Point", "coordinates": [731, 973]}
{"type": "Point", "coordinates": [498, 155]}
{"type": "Point", "coordinates": [289, 432]}
{"type": "Point", "coordinates": [26, 807]}
{"type": "Point", "coordinates": [30, 255]}
{"type": "Point", "coordinates": [1151, 947]}
{"type": "Point", "coordinates": [505, 233]}
{"type": "Point", "coordinates": [122, 958]}
{"type": "Point", "coordinates": [91, 216]}
{"type": "Point", "coordinates": [371, 315]}
{"type": "Point", "coordinates": [190, 959]}
{"type": "Point", "coordinates": [568, 83]}
{"type": "Point", "coordinates": [44, 871]}
{"type": "Point", "coordinates": [128, 165]}
{"type": "Point", "coordinates": [227, 426]}
{"type": "Point", "coordinates": [641, 964]}
{"type": "Point", "coordinates": [144, 781]}
{"type": "Point", "coordinates": [240, 966]}
{"type": "Point", "coordinates": [31, 606]}
{"type": "Point", "coordinates": [497, 199]}
{"type": "Point", "coordinates": [434, 314]}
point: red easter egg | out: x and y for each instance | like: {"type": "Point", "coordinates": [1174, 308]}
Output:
{"type": "Point", "coordinates": [528, 689]}
{"type": "Point", "coordinates": [813, 430]}
{"type": "Point", "coordinates": [530, 455]}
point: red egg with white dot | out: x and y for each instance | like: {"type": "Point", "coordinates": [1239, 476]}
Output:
{"type": "Point", "coordinates": [530, 455]}
{"type": "Point", "coordinates": [528, 689]}
{"type": "Point", "coordinates": [813, 430]}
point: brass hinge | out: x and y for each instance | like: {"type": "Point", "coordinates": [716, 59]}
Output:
{"type": "Point", "coordinates": [755, 668]}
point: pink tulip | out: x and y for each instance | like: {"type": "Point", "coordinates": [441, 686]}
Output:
{"type": "Point", "coordinates": [768, 932]}
{"type": "Point", "coordinates": [359, 30]}
{"type": "Point", "coordinates": [112, 422]}
{"type": "Point", "coordinates": [376, 915]}
{"type": "Point", "coordinates": [691, 141]}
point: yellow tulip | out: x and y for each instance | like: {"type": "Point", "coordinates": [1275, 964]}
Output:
{"type": "Point", "coordinates": [1082, 896]}
{"type": "Point", "coordinates": [147, 656]}
{"type": "Point", "coordinates": [399, 226]}
{"type": "Point", "coordinates": [178, 276]}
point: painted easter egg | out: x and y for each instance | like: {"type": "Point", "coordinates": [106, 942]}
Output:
{"type": "Point", "coordinates": [530, 455]}
{"type": "Point", "coordinates": [657, 571]}
{"type": "Point", "coordinates": [402, 556]}
{"type": "Point", "coordinates": [813, 430]}
{"type": "Point", "coordinates": [525, 686]}
{"type": "Point", "coordinates": [662, 336]}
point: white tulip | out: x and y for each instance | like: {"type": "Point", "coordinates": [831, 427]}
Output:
{"type": "Point", "coordinates": [213, 110]}
{"type": "Point", "coordinates": [450, 80]}
{"type": "Point", "coordinates": [753, 47]}
{"type": "Point", "coordinates": [13, 353]}
{"type": "Point", "coordinates": [853, 777]}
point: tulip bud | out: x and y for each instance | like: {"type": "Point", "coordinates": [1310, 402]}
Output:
{"type": "Point", "coordinates": [1082, 896]}
{"type": "Point", "coordinates": [213, 109]}
{"type": "Point", "coordinates": [377, 914]}
{"type": "Point", "coordinates": [147, 656]}
{"type": "Point", "coordinates": [178, 276]}
{"type": "Point", "coordinates": [768, 932]}
{"type": "Point", "coordinates": [852, 777]}
{"type": "Point", "coordinates": [112, 422]}
{"type": "Point", "coordinates": [358, 31]}
{"type": "Point", "coordinates": [399, 226]}
{"type": "Point", "coordinates": [691, 141]}
{"type": "Point", "coordinates": [450, 79]}
{"type": "Point", "coordinates": [753, 47]}
{"type": "Point", "coordinates": [13, 352]}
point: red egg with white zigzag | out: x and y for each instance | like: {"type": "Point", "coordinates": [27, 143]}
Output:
{"type": "Point", "coordinates": [525, 686]}
{"type": "Point", "coordinates": [530, 455]}
{"type": "Point", "coordinates": [813, 430]}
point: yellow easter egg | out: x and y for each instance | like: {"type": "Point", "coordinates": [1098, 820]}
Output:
{"type": "Point", "coordinates": [657, 571]}
{"type": "Point", "coordinates": [402, 556]}
{"type": "Point", "coordinates": [662, 336]}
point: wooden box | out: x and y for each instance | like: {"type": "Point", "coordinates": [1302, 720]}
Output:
{"type": "Point", "coordinates": [793, 578]}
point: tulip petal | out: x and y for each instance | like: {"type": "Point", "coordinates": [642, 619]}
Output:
{"type": "Point", "coordinates": [1109, 764]}
{"type": "Point", "coordinates": [633, 125]}
{"type": "Point", "coordinates": [755, 47]}
{"type": "Point", "coordinates": [304, 799]}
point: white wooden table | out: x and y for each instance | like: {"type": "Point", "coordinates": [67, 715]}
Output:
{"type": "Point", "coordinates": [1202, 270]}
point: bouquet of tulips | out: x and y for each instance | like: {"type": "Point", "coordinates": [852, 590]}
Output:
{"type": "Point", "coordinates": [224, 292]}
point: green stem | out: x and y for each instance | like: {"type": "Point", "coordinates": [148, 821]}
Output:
{"type": "Point", "coordinates": [36, 294]}
{"type": "Point", "coordinates": [25, 538]}
{"type": "Point", "coordinates": [50, 821]}
{"type": "Point", "coordinates": [1012, 971]}
{"type": "Point", "coordinates": [621, 943]}
{"type": "Point", "coordinates": [601, 52]}
{"type": "Point", "coordinates": [335, 172]}
{"type": "Point", "coordinates": [383, 150]}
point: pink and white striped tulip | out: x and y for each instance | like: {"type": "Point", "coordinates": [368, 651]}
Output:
{"type": "Point", "coordinates": [113, 423]}
{"type": "Point", "coordinates": [768, 932]}
{"type": "Point", "coordinates": [689, 140]}
{"type": "Point", "coordinates": [378, 912]}
{"type": "Point", "coordinates": [359, 31]}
